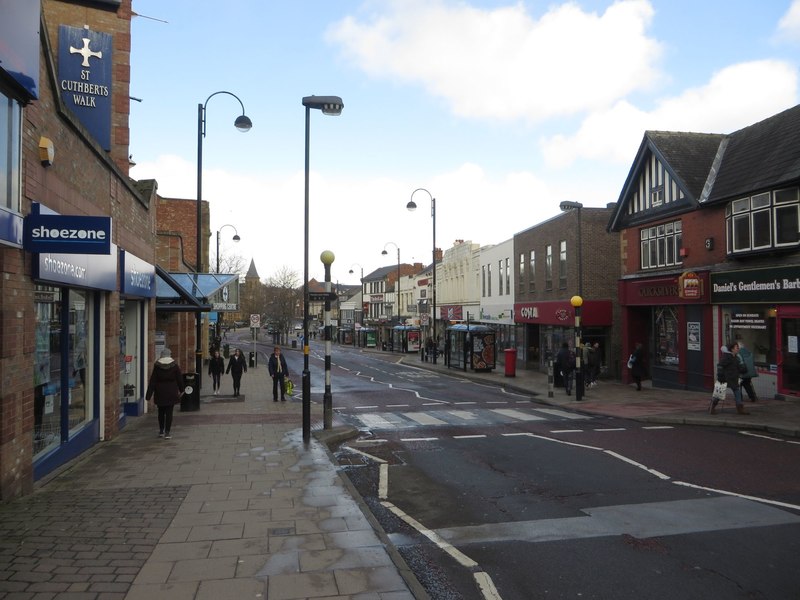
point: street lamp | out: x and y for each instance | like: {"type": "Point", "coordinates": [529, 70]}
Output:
{"type": "Point", "coordinates": [362, 300]}
{"type": "Point", "coordinates": [577, 302]}
{"type": "Point", "coordinates": [329, 105]}
{"type": "Point", "coordinates": [327, 259]}
{"type": "Point", "coordinates": [243, 124]}
{"type": "Point", "coordinates": [567, 206]}
{"type": "Point", "coordinates": [413, 206]}
{"type": "Point", "coordinates": [396, 287]}
{"type": "Point", "coordinates": [235, 238]}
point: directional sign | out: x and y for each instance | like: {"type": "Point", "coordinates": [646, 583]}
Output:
{"type": "Point", "coordinates": [321, 296]}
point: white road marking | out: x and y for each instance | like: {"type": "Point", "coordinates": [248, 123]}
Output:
{"type": "Point", "coordinates": [463, 414]}
{"type": "Point", "coordinates": [637, 464]}
{"type": "Point", "coordinates": [424, 418]}
{"type": "Point", "coordinates": [469, 437]}
{"type": "Point", "coordinates": [658, 427]}
{"type": "Point", "coordinates": [516, 414]}
{"type": "Point", "coordinates": [366, 407]}
{"type": "Point", "coordinates": [461, 403]}
{"type": "Point", "coordinates": [397, 405]}
{"type": "Point", "coordinates": [560, 413]}
{"type": "Point", "coordinates": [767, 437]}
{"type": "Point", "coordinates": [424, 439]}
{"type": "Point", "coordinates": [566, 431]}
{"type": "Point", "coordinates": [376, 421]}
{"type": "Point", "coordinates": [611, 429]}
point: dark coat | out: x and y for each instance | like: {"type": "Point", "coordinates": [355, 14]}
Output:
{"type": "Point", "coordinates": [166, 383]}
{"type": "Point", "coordinates": [638, 369]}
{"type": "Point", "coordinates": [565, 360]}
{"type": "Point", "coordinates": [237, 366]}
{"type": "Point", "coordinates": [272, 365]}
{"type": "Point", "coordinates": [730, 369]}
{"type": "Point", "coordinates": [216, 365]}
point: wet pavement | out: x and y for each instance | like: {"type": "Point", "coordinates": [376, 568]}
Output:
{"type": "Point", "coordinates": [236, 506]}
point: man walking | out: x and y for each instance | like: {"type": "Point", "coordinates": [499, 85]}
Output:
{"type": "Point", "coordinates": [278, 371]}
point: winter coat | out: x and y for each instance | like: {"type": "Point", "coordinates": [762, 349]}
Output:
{"type": "Point", "coordinates": [237, 366]}
{"type": "Point", "coordinates": [638, 368]}
{"type": "Point", "coordinates": [216, 365]}
{"type": "Point", "coordinates": [272, 365]}
{"type": "Point", "coordinates": [747, 359]}
{"type": "Point", "coordinates": [565, 360]}
{"type": "Point", "coordinates": [729, 370]}
{"type": "Point", "coordinates": [166, 382]}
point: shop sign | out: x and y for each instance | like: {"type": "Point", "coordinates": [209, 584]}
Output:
{"type": "Point", "coordinates": [779, 284]}
{"type": "Point", "coordinates": [84, 77]}
{"type": "Point", "coordinates": [376, 298]}
{"type": "Point", "coordinates": [67, 234]}
{"type": "Point", "coordinates": [690, 285]}
{"type": "Point", "coordinates": [138, 276]}
{"type": "Point", "coordinates": [79, 270]}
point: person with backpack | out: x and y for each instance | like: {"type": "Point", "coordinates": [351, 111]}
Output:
{"type": "Point", "coordinates": [565, 363]}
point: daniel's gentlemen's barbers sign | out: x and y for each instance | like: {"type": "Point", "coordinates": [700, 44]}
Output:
{"type": "Point", "coordinates": [781, 284]}
{"type": "Point", "coordinates": [67, 234]}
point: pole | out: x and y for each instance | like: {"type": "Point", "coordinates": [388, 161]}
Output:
{"type": "Point", "coordinates": [198, 351]}
{"type": "Point", "coordinates": [578, 356]}
{"type": "Point", "coordinates": [435, 340]}
{"type": "Point", "coordinates": [397, 289]}
{"type": "Point", "coordinates": [306, 374]}
{"type": "Point", "coordinates": [327, 399]}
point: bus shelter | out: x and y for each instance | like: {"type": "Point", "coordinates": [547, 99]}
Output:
{"type": "Point", "coordinates": [405, 338]}
{"type": "Point", "coordinates": [471, 346]}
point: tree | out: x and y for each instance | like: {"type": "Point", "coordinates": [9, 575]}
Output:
{"type": "Point", "coordinates": [281, 296]}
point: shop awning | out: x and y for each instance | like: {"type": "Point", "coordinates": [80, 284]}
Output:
{"type": "Point", "coordinates": [191, 291]}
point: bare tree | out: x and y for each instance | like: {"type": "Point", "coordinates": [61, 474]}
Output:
{"type": "Point", "coordinates": [282, 293]}
{"type": "Point", "coordinates": [231, 263]}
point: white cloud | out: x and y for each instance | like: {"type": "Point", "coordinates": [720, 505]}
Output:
{"type": "Point", "coordinates": [504, 64]}
{"type": "Point", "coordinates": [789, 25]}
{"type": "Point", "coordinates": [736, 96]}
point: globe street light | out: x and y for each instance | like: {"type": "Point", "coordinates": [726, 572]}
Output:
{"type": "Point", "coordinates": [243, 124]}
{"type": "Point", "coordinates": [413, 206]}
{"type": "Point", "coordinates": [235, 238]}
{"type": "Point", "coordinates": [396, 287]}
{"type": "Point", "coordinates": [329, 105]}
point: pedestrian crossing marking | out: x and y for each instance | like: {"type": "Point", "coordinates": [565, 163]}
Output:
{"type": "Point", "coordinates": [516, 414]}
{"type": "Point", "coordinates": [463, 414]}
{"type": "Point", "coordinates": [561, 413]}
{"type": "Point", "coordinates": [424, 418]}
{"type": "Point", "coordinates": [376, 421]}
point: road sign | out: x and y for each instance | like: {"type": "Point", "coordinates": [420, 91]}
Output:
{"type": "Point", "coordinates": [321, 296]}
{"type": "Point", "coordinates": [255, 320]}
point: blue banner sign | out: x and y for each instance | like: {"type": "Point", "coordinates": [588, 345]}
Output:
{"type": "Point", "coordinates": [67, 234]}
{"type": "Point", "coordinates": [84, 78]}
{"type": "Point", "coordinates": [138, 276]}
{"type": "Point", "coordinates": [78, 270]}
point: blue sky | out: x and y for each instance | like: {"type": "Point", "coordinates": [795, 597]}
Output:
{"type": "Point", "coordinates": [501, 110]}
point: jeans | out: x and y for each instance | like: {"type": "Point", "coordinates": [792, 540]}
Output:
{"type": "Point", "coordinates": [165, 418]}
{"type": "Point", "coordinates": [569, 378]}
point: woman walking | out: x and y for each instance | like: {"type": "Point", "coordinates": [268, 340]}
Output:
{"type": "Point", "coordinates": [166, 384]}
{"type": "Point", "coordinates": [236, 366]}
{"type": "Point", "coordinates": [216, 367]}
{"type": "Point", "coordinates": [729, 369]}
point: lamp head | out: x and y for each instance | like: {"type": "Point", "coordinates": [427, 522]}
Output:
{"type": "Point", "coordinates": [243, 123]}
{"type": "Point", "coordinates": [569, 205]}
{"type": "Point", "coordinates": [236, 238]}
{"type": "Point", "coordinates": [329, 105]}
{"type": "Point", "coordinates": [384, 252]}
{"type": "Point", "coordinates": [327, 258]}
{"type": "Point", "coordinates": [412, 206]}
{"type": "Point", "coordinates": [576, 301]}
{"type": "Point", "coordinates": [351, 271]}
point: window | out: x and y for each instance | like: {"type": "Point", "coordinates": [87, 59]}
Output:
{"type": "Point", "coordinates": [522, 273]}
{"type": "Point", "coordinates": [661, 245]}
{"type": "Point", "coordinates": [562, 264]}
{"type": "Point", "coordinates": [548, 267]}
{"type": "Point", "coordinates": [500, 277]}
{"type": "Point", "coordinates": [764, 221]}
{"type": "Point", "coordinates": [666, 329]}
{"type": "Point", "coordinates": [532, 274]}
{"type": "Point", "coordinates": [657, 196]}
{"type": "Point", "coordinates": [10, 141]}
{"type": "Point", "coordinates": [489, 280]}
{"type": "Point", "coordinates": [483, 281]}
{"type": "Point", "coordinates": [508, 276]}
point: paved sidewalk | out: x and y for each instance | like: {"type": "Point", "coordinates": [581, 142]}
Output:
{"type": "Point", "coordinates": [234, 506]}
{"type": "Point", "coordinates": [654, 405]}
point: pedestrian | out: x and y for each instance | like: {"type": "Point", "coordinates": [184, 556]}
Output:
{"type": "Point", "coordinates": [586, 361]}
{"type": "Point", "coordinates": [216, 367]}
{"type": "Point", "coordinates": [594, 363]}
{"type": "Point", "coordinates": [746, 357]}
{"type": "Point", "coordinates": [236, 366]}
{"type": "Point", "coordinates": [565, 362]}
{"type": "Point", "coordinates": [729, 370]}
{"type": "Point", "coordinates": [637, 366]}
{"type": "Point", "coordinates": [278, 370]}
{"type": "Point", "coordinates": [166, 385]}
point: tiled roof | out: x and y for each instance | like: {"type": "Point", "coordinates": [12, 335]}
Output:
{"type": "Point", "coordinates": [688, 155]}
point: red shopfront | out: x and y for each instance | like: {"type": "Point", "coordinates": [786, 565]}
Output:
{"type": "Point", "coordinates": [672, 317]}
{"type": "Point", "coordinates": [545, 325]}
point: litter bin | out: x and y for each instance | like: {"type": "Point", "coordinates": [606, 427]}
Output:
{"type": "Point", "coordinates": [253, 359]}
{"type": "Point", "coordinates": [511, 362]}
{"type": "Point", "coordinates": [191, 393]}
{"type": "Point", "coordinates": [294, 343]}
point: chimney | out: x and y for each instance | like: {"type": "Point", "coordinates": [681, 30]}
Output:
{"type": "Point", "coordinates": [438, 253]}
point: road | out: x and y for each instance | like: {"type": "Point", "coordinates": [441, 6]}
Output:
{"type": "Point", "coordinates": [487, 493]}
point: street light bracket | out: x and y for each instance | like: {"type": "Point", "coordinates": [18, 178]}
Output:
{"type": "Point", "coordinates": [242, 122]}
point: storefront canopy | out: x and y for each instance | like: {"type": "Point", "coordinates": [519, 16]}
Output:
{"type": "Point", "coordinates": [193, 292]}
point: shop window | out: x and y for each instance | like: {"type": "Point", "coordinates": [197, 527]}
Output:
{"type": "Point", "coordinates": [666, 331]}
{"type": "Point", "coordinates": [661, 245]}
{"type": "Point", "coordinates": [763, 221]}
{"type": "Point", "coordinates": [755, 328]}
{"type": "Point", "coordinates": [10, 141]}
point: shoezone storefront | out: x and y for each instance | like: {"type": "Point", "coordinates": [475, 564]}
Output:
{"type": "Point", "coordinates": [671, 317]}
{"type": "Point", "coordinates": [760, 308]}
{"type": "Point", "coordinates": [74, 270]}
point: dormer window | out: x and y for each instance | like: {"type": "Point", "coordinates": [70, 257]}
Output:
{"type": "Point", "coordinates": [764, 221]}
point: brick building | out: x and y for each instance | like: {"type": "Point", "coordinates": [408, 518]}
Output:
{"type": "Point", "coordinates": [568, 255]}
{"type": "Point", "coordinates": [77, 312]}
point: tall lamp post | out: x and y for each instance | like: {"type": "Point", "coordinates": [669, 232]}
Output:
{"type": "Point", "coordinates": [329, 105]}
{"type": "Point", "coordinates": [397, 286]}
{"type": "Point", "coordinates": [362, 300]}
{"type": "Point", "coordinates": [567, 206]}
{"type": "Point", "coordinates": [235, 238]}
{"type": "Point", "coordinates": [327, 259]}
{"type": "Point", "coordinates": [413, 206]}
{"type": "Point", "coordinates": [243, 124]}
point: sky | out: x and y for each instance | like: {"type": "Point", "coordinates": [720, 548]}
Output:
{"type": "Point", "coordinates": [500, 110]}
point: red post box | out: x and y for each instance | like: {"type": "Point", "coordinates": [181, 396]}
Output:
{"type": "Point", "coordinates": [511, 362]}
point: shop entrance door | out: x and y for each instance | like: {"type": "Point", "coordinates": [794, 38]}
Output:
{"type": "Point", "coordinates": [789, 359]}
